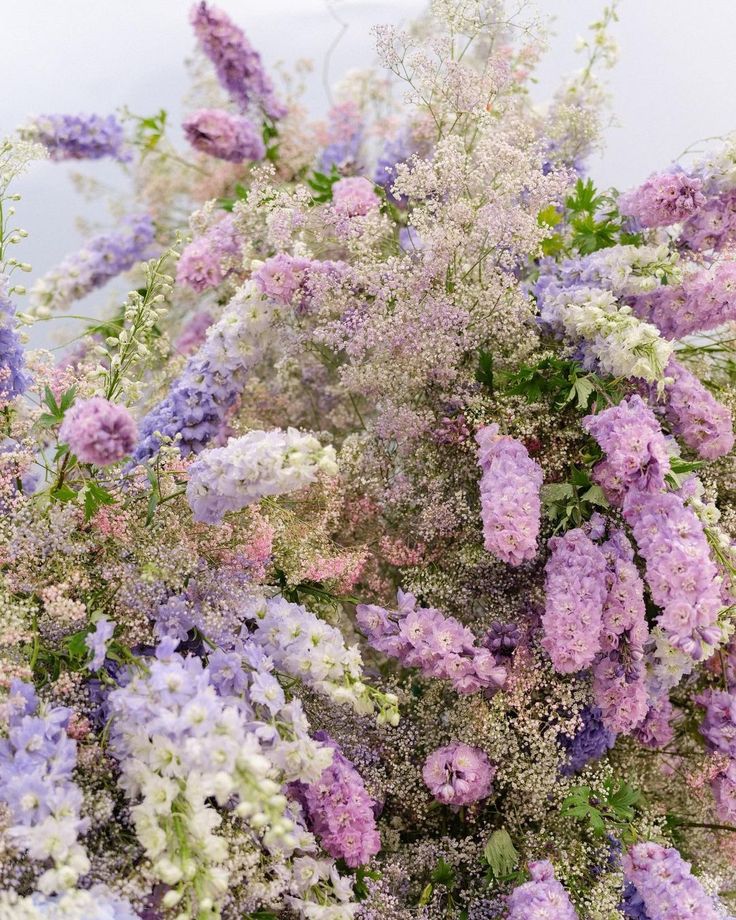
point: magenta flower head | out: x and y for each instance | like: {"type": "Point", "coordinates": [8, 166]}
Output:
{"type": "Point", "coordinates": [98, 431]}
{"type": "Point", "coordinates": [354, 197]}
{"type": "Point", "coordinates": [228, 137]}
{"type": "Point", "coordinates": [458, 774]}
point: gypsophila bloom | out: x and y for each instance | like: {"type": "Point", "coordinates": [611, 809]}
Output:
{"type": "Point", "coordinates": [509, 494]}
{"type": "Point", "coordinates": [666, 198]}
{"type": "Point", "coordinates": [340, 811]}
{"type": "Point", "coordinates": [37, 760]}
{"type": "Point", "coordinates": [543, 898]}
{"type": "Point", "coordinates": [665, 884]}
{"type": "Point", "coordinates": [425, 638]}
{"type": "Point", "coordinates": [228, 137]}
{"type": "Point", "coordinates": [635, 448]}
{"type": "Point", "coordinates": [575, 594]}
{"type": "Point", "coordinates": [238, 65]}
{"type": "Point", "coordinates": [98, 431]}
{"type": "Point", "coordinates": [249, 468]}
{"type": "Point", "coordinates": [696, 416]}
{"type": "Point", "coordinates": [100, 259]}
{"type": "Point", "coordinates": [458, 774]}
{"type": "Point", "coordinates": [78, 137]}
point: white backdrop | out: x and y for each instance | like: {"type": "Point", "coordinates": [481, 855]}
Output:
{"type": "Point", "coordinates": [674, 83]}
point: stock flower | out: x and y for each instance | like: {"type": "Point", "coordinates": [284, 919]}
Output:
{"type": "Point", "coordinates": [704, 424]}
{"type": "Point", "coordinates": [665, 884]}
{"type": "Point", "coordinates": [228, 137]}
{"type": "Point", "coordinates": [98, 431]}
{"type": "Point", "coordinates": [78, 137]}
{"type": "Point", "coordinates": [211, 257]}
{"type": "Point", "coordinates": [509, 494]}
{"type": "Point", "coordinates": [458, 774]}
{"type": "Point", "coordinates": [666, 198]}
{"type": "Point", "coordinates": [13, 377]}
{"type": "Point", "coordinates": [541, 898]}
{"type": "Point", "coordinates": [97, 642]}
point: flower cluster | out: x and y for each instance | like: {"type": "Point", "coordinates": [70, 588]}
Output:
{"type": "Point", "coordinates": [209, 258]}
{"type": "Point", "coordinates": [38, 760]}
{"type": "Point", "coordinates": [704, 424]}
{"type": "Point", "coordinates": [249, 468]}
{"type": "Point", "coordinates": [665, 884]}
{"type": "Point", "coordinates": [424, 638]}
{"type": "Point", "coordinates": [78, 137]}
{"type": "Point", "coordinates": [13, 378]}
{"type": "Point", "coordinates": [575, 594]}
{"type": "Point", "coordinates": [458, 774]}
{"type": "Point", "coordinates": [509, 494]}
{"type": "Point", "coordinates": [664, 199]}
{"type": "Point", "coordinates": [101, 259]}
{"type": "Point", "coordinates": [541, 897]}
{"type": "Point", "coordinates": [98, 431]}
{"type": "Point", "coordinates": [225, 136]}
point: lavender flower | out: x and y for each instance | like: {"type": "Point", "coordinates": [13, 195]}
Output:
{"type": "Point", "coordinates": [228, 137]}
{"type": "Point", "coordinates": [576, 592]}
{"type": "Point", "coordinates": [98, 431]}
{"type": "Point", "coordinates": [97, 642]}
{"type": "Point", "coordinates": [509, 494]}
{"type": "Point", "coordinates": [713, 226]}
{"type": "Point", "coordinates": [424, 638]}
{"type": "Point", "coordinates": [458, 774]}
{"type": "Point", "coordinates": [101, 259]}
{"type": "Point", "coordinates": [340, 811]}
{"type": "Point", "coordinates": [543, 898]}
{"type": "Point", "coordinates": [210, 258]}
{"type": "Point", "coordinates": [590, 743]}
{"type": "Point", "coordinates": [78, 137]}
{"type": "Point", "coordinates": [354, 197]}
{"type": "Point", "coordinates": [13, 378]}
{"type": "Point", "coordinates": [719, 725]}
{"type": "Point", "coordinates": [238, 65]}
{"type": "Point", "coordinates": [291, 280]}
{"type": "Point", "coordinates": [502, 639]}
{"type": "Point", "coordinates": [665, 884]}
{"type": "Point", "coordinates": [248, 468]}
{"type": "Point", "coordinates": [663, 199]}
{"type": "Point", "coordinates": [696, 416]}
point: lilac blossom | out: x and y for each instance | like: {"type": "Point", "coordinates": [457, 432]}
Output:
{"type": "Point", "coordinates": [292, 280]}
{"type": "Point", "coordinates": [665, 198]}
{"type": "Point", "coordinates": [253, 466]}
{"type": "Point", "coordinates": [97, 642]}
{"type": "Point", "coordinates": [576, 592]}
{"type": "Point", "coordinates": [98, 431]}
{"type": "Point", "coordinates": [719, 725]}
{"type": "Point", "coordinates": [704, 424]}
{"type": "Point", "coordinates": [656, 730]}
{"type": "Point", "coordinates": [340, 811]}
{"type": "Point", "coordinates": [543, 898]}
{"type": "Point", "coordinates": [458, 774]}
{"type": "Point", "coordinates": [635, 448]}
{"type": "Point", "coordinates": [424, 638]}
{"type": "Point", "coordinates": [665, 884]}
{"type": "Point", "coordinates": [589, 743]}
{"type": "Point", "coordinates": [211, 257]}
{"type": "Point", "coordinates": [354, 197]}
{"type": "Point", "coordinates": [238, 65]}
{"type": "Point", "coordinates": [713, 226]}
{"type": "Point", "coordinates": [78, 137]}
{"type": "Point", "coordinates": [724, 793]}
{"type": "Point", "coordinates": [509, 496]}
{"type": "Point", "coordinates": [100, 259]}
{"type": "Point", "coordinates": [227, 137]}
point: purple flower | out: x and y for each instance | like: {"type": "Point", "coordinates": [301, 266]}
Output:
{"type": "Point", "coordinates": [97, 641]}
{"type": "Point", "coordinates": [238, 65]}
{"type": "Point", "coordinates": [210, 258]}
{"type": "Point", "coordinates": [340, 811]}
{"type": "Point", "coordinates": [78, 137]}
{"type": "Point", "coordinates": [502, 639]}
{"type": "Point", "coordinates": [509, 495]}
{"type": "Point", "coordinates": [663, 199]}
{"type": "Point", "coordinates": [13, 378]}
{"type": "Point", "coordinates": [696, 416]}
{"type": "Point", "coordinates": [424, 638]}
{"type": "Point", "coordinates": [354, 197]}
{"type": "Point", "coordinates": [656, 730]}
{"type": "Point", "coordinates": [228, 137]}
{"type": "Point", "coordinates": [665, 884]}
{"type": "Point", "coordinates": [724, 793]}
{"type": "Point", "coordinates": [713, 225]}
{"type": "Point", "coordinates": [635, 448]}
{"type": "Point", "coordinates": [193, 335]}
{"type": "Point", "coordinates": [576, 592]}
{"type": "Point", "coordinates": [590, 743]}
{"type": "Point", "coordinates": [98, 431]}
{"type": "Point", "coordinates": [719, 725]}
{"type": "Point", "coordinates": [291, 280]}
{"type": "Point", "coordinates": [458, 774]}
{"type": "Point", "coordinates": [543, 898]}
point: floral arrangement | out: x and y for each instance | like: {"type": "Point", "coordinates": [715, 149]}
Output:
{"type": "Point", "coordinates": [375, 559]}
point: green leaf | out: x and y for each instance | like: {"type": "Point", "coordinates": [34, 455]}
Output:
{"type": "Point", "coordinates": [484, 373]}
{"type": "Point", "coordinates": [501, 854]}
{"type": "Point", "coordinates": [595, 496]}
{"type": "Point", "coordinates": [94, 497]}
{"type": "Point", "coordinates": [549, 217]}
{"type": "Point", "coordinates": [63, 494]}
{"type": "Point", "coordinates": [426, 896]}
{"type": "Point", "coordinates": [582, 389]}
{"type": "Point", "coordinates": [443, 874]}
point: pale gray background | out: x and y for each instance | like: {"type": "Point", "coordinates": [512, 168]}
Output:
{"type": "Point", "coordinates": [673, 85]}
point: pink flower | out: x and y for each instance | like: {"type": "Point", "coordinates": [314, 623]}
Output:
{"type": "Point", "coordinates": [98, 431]}
{"type": "Point", "coordinates": [354, 197]}
{"type": "Point", "coordinates": [458, 774]}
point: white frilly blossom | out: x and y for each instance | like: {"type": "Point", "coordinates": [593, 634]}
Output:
{"type": "Point", "coordinates": [632, 270]}
{"type": "Point", "coordinates": [303, 646]}
{"type": "Point", "coordinates": [623, 345]}
{"type": "Point", "coordinates": [251, 467]}
{"type": "Point", "coordinates": [96, 903]}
